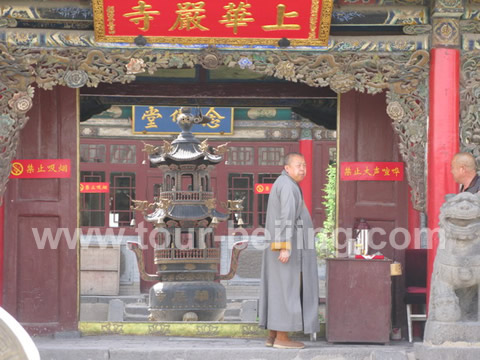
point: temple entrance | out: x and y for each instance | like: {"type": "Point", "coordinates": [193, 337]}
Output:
{"type": "Point", "coordinates": [258, 161]}
{"type": "Point", "coordinates": [266, 126]}
{"type": "Point", "coordinates": [253, 159]}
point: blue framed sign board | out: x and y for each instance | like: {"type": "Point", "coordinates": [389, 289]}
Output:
{"type": "Point", "coordinates": [160, 120]}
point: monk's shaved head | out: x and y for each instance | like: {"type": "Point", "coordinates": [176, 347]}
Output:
{"type": "Point", "coordinates": [290, 156]}
{"type": "Point", "coordinates": [295, 166]}
{"type": "Point", "coordinates": [466, 160]}
{"type": "Point", "coordinates": [463, 168]}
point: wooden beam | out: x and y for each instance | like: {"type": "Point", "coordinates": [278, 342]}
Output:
{"type": "Point", "coordinates": [234, 90]}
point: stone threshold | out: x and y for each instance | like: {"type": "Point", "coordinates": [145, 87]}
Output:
{"type": "Point", "coordinates": [201, 329]}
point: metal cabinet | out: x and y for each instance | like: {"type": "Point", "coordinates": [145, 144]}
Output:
{"type": "Point", "coordinates": [359, 300]}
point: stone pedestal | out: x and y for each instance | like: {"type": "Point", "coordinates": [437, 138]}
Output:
{"type": "Point", "coordinates": [438, 333]}
{"type": "Point", "coordinates": [447, 351]}
{"type": "Point", "coordinates": [452, 330]}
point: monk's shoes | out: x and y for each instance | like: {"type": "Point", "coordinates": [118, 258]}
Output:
{"type": "Point", "coordinates": [279, 344]}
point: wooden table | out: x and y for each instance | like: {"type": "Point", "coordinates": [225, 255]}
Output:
{"type": "Point", "coordinates": [359, 300]}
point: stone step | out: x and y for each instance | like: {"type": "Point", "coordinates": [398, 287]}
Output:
{"type": "Point", "coordinates": [136, 312]}
{"type": "Point", "coordinates": [130, 317]}
{"type": "Point", "coordinates": [137, 309]}
{"type": "Point", "coordinates": [105, 299]}
{"type": "Point", "coordinates": [232, 314]}
{"type": "Point", "coordinates": [242, 291]}
{"type": "Point", "coordinates": [231, 319]}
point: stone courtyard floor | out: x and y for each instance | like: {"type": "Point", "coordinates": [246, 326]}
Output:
{"type": "Point", "coordinates": [117, 347]}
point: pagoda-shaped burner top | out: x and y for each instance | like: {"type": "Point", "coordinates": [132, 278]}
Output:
{"type": "Point", "coordinates": [186, 148]}
{"type": "Point", "coordinates": [185, 162]}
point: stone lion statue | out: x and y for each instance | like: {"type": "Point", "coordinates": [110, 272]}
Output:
{"type": "Point", "coordinates": [456, 275]}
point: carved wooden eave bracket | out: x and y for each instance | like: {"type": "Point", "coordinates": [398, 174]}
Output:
{"type": "Point", "coordinates": [470, 83]}
{"type": "Point", "coordinates": [379, 64]}
{"type": "Point", "coordinates": [470, 103]}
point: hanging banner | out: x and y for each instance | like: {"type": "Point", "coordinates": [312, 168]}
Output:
{"type": "Point", "coordinates": [40, 169]}
{"type": "Point", "coordinates": [253, 22]}
{"type": "Point", "coordinates": [389, 171]}
{"type": "Point", "coordinates": [263, 188]}
{"type": "Point", "coordinates": [94, 187]}
{"type": "Point", "coordinates": [160, 120]}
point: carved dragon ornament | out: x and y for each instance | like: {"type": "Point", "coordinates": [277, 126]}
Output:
{"type": "Point", "coordinates": [403, 75]}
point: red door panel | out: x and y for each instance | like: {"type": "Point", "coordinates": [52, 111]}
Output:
{"type": "Point", "coordinates": [40, 287]}
{"type": "Point", "coordinates": [366, 134]}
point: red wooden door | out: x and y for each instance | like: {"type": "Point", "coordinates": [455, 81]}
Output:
{"type": "Point", "coordinates": [40, 288]}
{"type": "Point", "coordinates": [366, 134]}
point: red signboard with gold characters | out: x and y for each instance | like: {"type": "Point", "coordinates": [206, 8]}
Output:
{"type": "Point", "coordinates": [94, 187]}
{"type": "Point", "coordinates": [247, 22]}
{"type": "Point", "coordinates": [389, 171]}
{"type": "Point", "coordinates": [40, 169]}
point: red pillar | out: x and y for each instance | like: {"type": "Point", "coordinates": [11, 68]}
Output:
{"type": "Point", "coordinates": [443, 138]}
{"type": "Point", "coordinates": [413, 224]}
{"type": "Point", "coordinates": [306, 149]}
{"type": "Point", "coordinates": [2, 232]}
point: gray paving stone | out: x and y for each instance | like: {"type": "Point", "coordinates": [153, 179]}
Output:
{"type": "Point", "coordinates": [74, 354]}
{"type": "Point", "coordinates": [449, 351]}
{"type": "Point", "coordinates": [67, 335]}
{"type": "Point", "coordinates": [174, 348]}
{"type": "Point", "coordinates": [389, 355]}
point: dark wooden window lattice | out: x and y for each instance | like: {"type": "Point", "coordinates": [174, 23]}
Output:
{"type": "Point", "coordinates": [240, 186]}
{"type": "Point", "coordinates": [271, 156]}
{"type": "Point", "coordinates": [241, 155]}
{"type": "Point", "coordinates": [122, 154]}
{"type": "Point", "coordinates": [92, 205]}
{"type": "Point", "coordinates": [92, 153]}
{"type": "Point", "coordinates": [263, 198]}
{"type": "Point", "coordinates": [122, 190]}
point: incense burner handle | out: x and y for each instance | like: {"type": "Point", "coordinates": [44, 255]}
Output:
{"type": "Point", "coordinates": [135, 247]}
{"type": "Point", "coordinates": [238, 247]}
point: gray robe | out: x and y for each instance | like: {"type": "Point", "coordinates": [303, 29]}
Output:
{"type": "Point", "coordinates": [289, 292]}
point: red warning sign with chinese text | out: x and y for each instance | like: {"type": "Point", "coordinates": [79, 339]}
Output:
{"type": "Point", "coordinates": [388, 171]}
{"type": "Point", "coordinates": [40, 169]}
{"type": "Point", "coordinates": [94, 187]}
{"type": "Point", "coordinates": [263, 188]}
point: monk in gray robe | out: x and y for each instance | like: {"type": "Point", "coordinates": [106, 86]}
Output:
{"type": "Point", "coordinates": [289, 284]}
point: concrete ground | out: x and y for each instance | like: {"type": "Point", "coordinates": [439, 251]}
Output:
{"type": "Point", "coordinates": [115, 347]}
